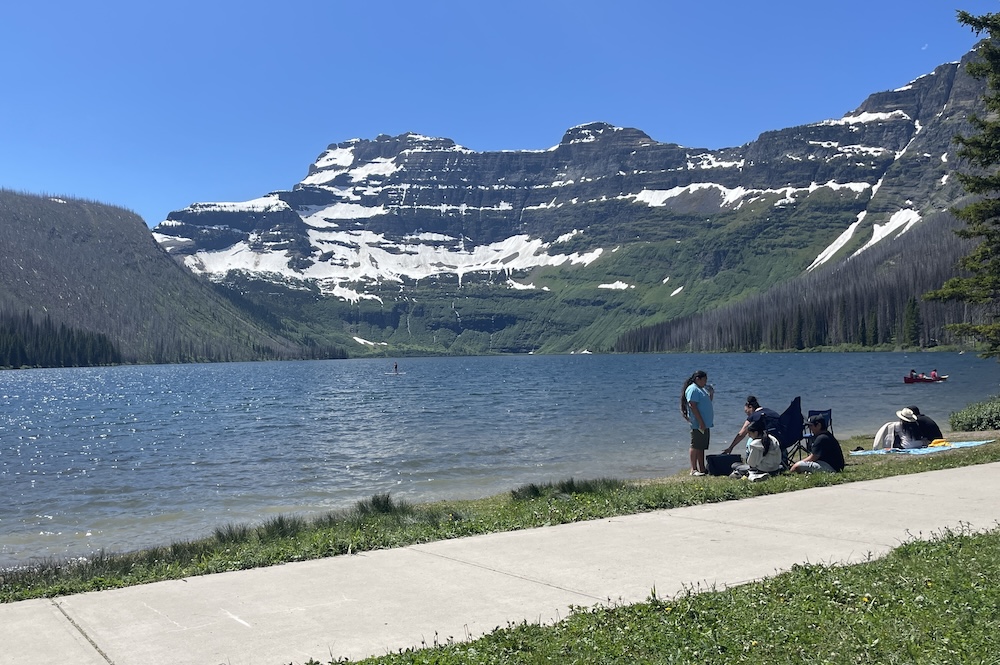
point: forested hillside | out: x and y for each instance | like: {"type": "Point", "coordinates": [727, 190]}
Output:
{"type": "Point", "coordinates": [872, 300]}
{"type": "Point", "coordinates": [96, 269]}
{"type": "Point", "coordinates": [27, 343]}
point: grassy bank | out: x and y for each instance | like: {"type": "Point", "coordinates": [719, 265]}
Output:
{"type": "Point", "coordinates": [383, 522]}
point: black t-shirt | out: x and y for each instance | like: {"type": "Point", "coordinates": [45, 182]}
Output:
{"type": "Point", "coordinates": [929, 429]}
{"type": "Point", "coordinates": [827, 449]}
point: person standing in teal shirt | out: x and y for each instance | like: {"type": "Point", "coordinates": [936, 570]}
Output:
{"type": "Point", "coordinates": [696, 407]}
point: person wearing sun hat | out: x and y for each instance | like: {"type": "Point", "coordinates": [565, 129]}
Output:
{"type": "Point", "coordinates": [909, 430]}
{"type": "Point", "coordinates": [825, 453]}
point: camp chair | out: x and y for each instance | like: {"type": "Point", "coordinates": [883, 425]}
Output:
{"type": "Point", "coordinates": [789, 432]}
{"type": "Point", "coordinates": [807, 435]}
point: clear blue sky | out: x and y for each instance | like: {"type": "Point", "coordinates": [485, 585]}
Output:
{"type": "Point", "coordinates": [157, 105]}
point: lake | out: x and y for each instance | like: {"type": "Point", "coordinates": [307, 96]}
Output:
{"type": "Point", "coordinates": [127, 457]}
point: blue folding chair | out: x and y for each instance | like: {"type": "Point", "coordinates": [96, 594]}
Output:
{"type": "Point", "coordinates": [807, 435]}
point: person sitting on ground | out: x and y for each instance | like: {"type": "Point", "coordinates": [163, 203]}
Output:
{"type": "Point", "coordinates": [909, 432]}
{"type": "Point", "coordinates": [825, 453]}
{"type": "Point", "coordinates": [763, 453]}
{"type": "Point", "coordinates": [912, 430]}
{"type": "Point", "coordinates": [929, 430]}
{"type": "Point", "coordinates": [915, 429]}
{"type": "Point", "coordinates": [754, 410]}
{"type": "Point", "coordinates": [887, 436]}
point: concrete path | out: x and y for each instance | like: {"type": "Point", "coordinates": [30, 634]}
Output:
{"type": "Point", "coordinates": [377, 602]}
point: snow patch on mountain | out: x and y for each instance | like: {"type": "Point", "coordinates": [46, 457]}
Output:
{"type": "Point", "coordinates": [657, 198]}
{"type": "Point", "coordinates": [353, 258]}
{"type": "Point", "coordinates": [269, 203]}
{"type": "Point", "coordinates": [380, 166]}
{"type": "Point", "coordinates": [342, 157]}
{"type": "Point", "coordinates": [589, 132]}
{"type": "Point", "coordinates": [865, 118]}
{"type": "Point", "coordinates": [709, 161]}
{"type": "Point", "coordinates": [365, 342]}
{"type": "Point", "coordinates": [901, 220]}
{"type": "Point", "coordinates": [320, 216]}
{"type": "Point", "coordinates": [837, 244]}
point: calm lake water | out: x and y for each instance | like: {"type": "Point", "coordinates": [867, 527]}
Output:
{"type": "Point", "coordinates": [126, 457]}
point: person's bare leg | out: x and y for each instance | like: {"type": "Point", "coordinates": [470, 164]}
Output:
{"type": "Point", "coordinates": [696, 466]}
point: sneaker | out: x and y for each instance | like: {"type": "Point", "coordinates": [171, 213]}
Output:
{"type": "Point", "coordinates": [698, 473]}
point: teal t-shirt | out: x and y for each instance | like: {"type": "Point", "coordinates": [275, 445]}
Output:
{"type": "Point", "coordinates": [699, 396]}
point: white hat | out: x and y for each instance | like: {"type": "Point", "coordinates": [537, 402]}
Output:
{"type": "Point", "coordinates": [907, 415]}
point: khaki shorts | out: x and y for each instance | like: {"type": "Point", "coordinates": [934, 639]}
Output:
{"type": "Point", "coordinates": [699, 439]}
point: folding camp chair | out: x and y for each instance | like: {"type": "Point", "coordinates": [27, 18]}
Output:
{"type": "Point", "coordinates": [807, 435]}
{"type": "Point", "coordinates": [789, 433]}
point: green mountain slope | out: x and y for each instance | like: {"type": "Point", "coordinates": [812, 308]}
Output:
{"type": "Point", "coordinates": [96, 268]}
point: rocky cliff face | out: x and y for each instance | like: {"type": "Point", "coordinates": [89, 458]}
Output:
{"type": "Point", "coordinates": [374, 218]}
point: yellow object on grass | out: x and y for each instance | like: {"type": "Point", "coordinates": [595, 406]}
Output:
{"type": "Point", "coordinates": [938, 442]}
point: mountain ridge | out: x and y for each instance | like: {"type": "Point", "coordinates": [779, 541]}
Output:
{"type": "Point", "coordinates": [627, 229]}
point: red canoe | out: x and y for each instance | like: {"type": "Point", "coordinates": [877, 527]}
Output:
{"type": "Point", "coordinates": [924, 379]}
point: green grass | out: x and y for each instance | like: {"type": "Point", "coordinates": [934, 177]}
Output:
{"type": "Point", "coordinates": [383, 522]}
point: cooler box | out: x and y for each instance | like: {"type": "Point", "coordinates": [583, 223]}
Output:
{"type": "Point", "coordinates": [721, 465]}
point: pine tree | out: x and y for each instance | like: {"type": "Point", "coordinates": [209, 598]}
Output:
{"type": "Point", "coordinates": [982, 217]}
{"type": "Point", "coordinates": [872, 338]}
{"type": "Point", "coordinates": [911, 323]}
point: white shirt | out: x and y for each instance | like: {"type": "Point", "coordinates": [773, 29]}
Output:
{"type": "Point", "coordinates": [756, 458]}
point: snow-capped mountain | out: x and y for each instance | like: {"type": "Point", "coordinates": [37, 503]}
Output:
{"type": "Point", "coordinates": [376, 219]}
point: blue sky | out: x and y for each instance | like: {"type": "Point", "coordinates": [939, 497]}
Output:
{"type": "Point", "coordinates": [154, 106]}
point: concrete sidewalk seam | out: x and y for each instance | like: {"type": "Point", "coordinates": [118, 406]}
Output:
{"type": "Point", "coordinates": [82, 632]}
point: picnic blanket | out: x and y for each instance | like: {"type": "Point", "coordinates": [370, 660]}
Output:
{"type": "Point", "coordinates": [921, 451]}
